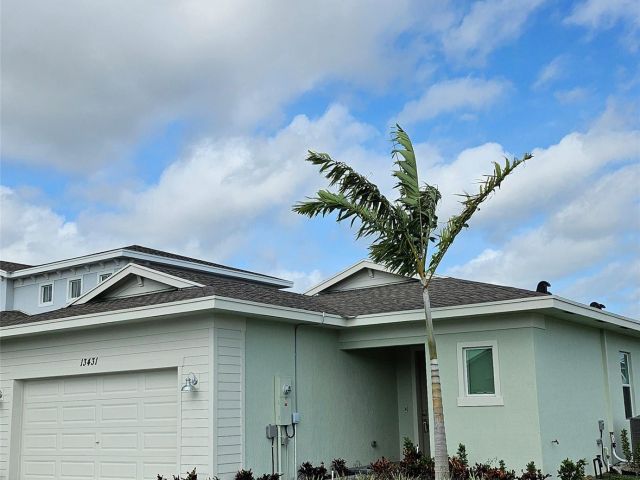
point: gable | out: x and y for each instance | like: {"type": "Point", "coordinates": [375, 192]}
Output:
{"type": "Point", "coordinates": [363, 274]}
{"type": "Point", "coordinates": [135, 280]}
{"type": "Point", "coordinates": [367, 277]}
{"type": "Point", "coordinates": [135, 285]}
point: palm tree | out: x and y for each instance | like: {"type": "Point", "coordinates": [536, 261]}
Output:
{"type": "Point", "coordinates": [402, 232]}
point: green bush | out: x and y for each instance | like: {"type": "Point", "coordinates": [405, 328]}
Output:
{"type": "Point", "coordinates": [572, 471]}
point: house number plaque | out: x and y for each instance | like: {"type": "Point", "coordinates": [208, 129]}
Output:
{"type": "Point", "coordinates": [88, 361]}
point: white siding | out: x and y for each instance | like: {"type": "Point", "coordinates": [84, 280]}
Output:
{"type": "Point", "coordinates": [229, 375]}
{"type": "Point", "coordinates": [184, 344]}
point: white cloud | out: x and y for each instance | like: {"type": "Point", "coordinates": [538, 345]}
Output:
{"type": "Point", "coordinates": [605, 14]}
{"type": "Point", "coordinates": [459, 94]}
{"type": "Point", "coordinates": [204, 203]}
{"type": "Point", "coordinates": [595, 177]}
{"type": "Point", "coordinates": [550, 72]}
{"type": "Point", "coordinates": [32, 232]}
{"type": "Point", "coordinates": [84, 83]}
{"type": "Point", "coordinates": [572, 95]}
{"type": "Point", "coordinates": [486, 26]}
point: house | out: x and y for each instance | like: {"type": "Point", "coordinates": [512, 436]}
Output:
{"type": "Point", "coordinates": [133, 362]}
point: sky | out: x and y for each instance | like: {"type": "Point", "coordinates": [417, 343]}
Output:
{"type": "Point", "coordinates": [184, 126]}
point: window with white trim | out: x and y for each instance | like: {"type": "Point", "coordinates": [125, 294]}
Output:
{"type": "Point", "coordinates": [478, 374]}
{"type": "Point", "coordinates": [74, 288]}
{"type": "Point", "coordinates": [103, 276]}
{"type": "Point", "coordinates": [625, 373]}
{"type": "Point", "coordinates": [45, 294]}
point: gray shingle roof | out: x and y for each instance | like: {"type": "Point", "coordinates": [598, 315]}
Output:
{"type": "Point", "coordinates": [443, 292]}
{"type": "Point", "coordinates": [381, 299]}
{"type": "Point", "coordinates": [12, 266]}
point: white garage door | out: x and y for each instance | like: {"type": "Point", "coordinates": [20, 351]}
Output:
{"type": "Point", "coordinates": [116, 426]}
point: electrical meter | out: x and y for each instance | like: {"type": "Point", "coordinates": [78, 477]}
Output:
{"type": "Point", "coordinates": [283, 399]}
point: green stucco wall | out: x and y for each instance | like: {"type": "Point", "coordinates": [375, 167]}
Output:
{"type": "Point", "coordinates": [573, 389]}
{"type": "Point", "coordinates": [347, 399]}
{"type": "Point", "coordinates": [490, 433]}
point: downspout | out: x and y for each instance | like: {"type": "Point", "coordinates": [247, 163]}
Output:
{"type": "Point", "coordinates": [295, 383]}
{"type": "Point", "coordinates": [607, 397]}
{"type": "Point", "coordinates": [605, 373]}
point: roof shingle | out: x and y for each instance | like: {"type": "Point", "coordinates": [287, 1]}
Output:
{"type": "Point", "coordinates": [403, 296]}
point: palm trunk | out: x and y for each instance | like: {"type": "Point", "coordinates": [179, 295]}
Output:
{"type": "Point", "coordinates": [439, 434]}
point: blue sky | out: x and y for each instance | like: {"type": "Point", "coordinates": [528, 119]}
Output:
{"type": "Point", "coordinates": [184, 126]}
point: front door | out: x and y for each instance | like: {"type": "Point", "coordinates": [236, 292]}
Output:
{"type": "Point", "coordinates": [422, 402]}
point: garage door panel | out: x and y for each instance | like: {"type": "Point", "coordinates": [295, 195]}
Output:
{"type": "Point", "coordinates": [118, 470]}
{"type": "Point", "coordinates": [100, 427]}
{"type": "Point", "coordinates": [40, 416]}
{"type": "Point", "coordinates": [79, 414]}
{"type": "Point", "coordinates": [35, 468]}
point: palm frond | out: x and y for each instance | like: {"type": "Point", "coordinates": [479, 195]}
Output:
{"type": "Point", "coordinates": [351, 184]}
{"type": "Point", "coordinates": [407, 171]}
{"type": "Point", "coordinates": [470, 204]}
{"type": "Point", "coordinates": [326, 202]}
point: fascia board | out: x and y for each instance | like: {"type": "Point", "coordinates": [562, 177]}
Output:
{"type": "Point", "coordinates": [295, 314]}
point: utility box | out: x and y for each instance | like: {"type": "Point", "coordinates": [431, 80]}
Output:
{"type": "Point", "coordinates": [283, 398]}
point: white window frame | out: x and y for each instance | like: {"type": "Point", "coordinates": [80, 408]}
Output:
{"type": "Point", "coordinates": [478, 400]}
{"type": "Point", "coordinates": [98, 281]}
{"type": "Point", "coordinates": [40, 302]}
{"type": "Point", "coordinates": [69, 297]}
{"type": "Point", "coordinates": [628, 385]}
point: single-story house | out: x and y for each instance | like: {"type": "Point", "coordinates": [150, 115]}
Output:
{"type": "Point", "coordinates": [133, 362]}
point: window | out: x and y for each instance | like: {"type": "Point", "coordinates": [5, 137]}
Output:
{"type": "Point", "coordinates": [46, 294]}
{"type": "Point", "coordinates": [74, 288]}
{"type": "Point", "coordinates": [478, 374]}
{"type": "Point", "coordinates": [625, 373]}
{"type": "Point", "coordinates": [103, 276]}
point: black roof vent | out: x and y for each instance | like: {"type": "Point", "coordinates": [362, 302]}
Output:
{"type": "Point", "coordinates": [597, 305]}
{"type": "Point", "coordinates": [543, 287]}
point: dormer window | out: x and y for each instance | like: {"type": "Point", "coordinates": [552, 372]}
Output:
{"type": "Point", "coordinates": [46, 294]}
{"type": "Point", "coordinates": [74, 288]}
{"type": "Point", "coordinates": [103, 276]}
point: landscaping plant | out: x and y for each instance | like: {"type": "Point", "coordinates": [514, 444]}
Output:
{"type": "Point", "coordinates": [570, 470]}
{"type": "Point", "coordinates": [533, 473]}
{"type": "Point", "coordinates": [339, 466]}
{"type": "Point", "coordinates": [308, 472]}
{"type": "Point", "coordinates": [402, 232]}
{"type": "Point", "coordinates": [244, 475]}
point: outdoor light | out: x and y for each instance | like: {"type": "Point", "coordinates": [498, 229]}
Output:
{"type": "Point", "coordinates": [189, 383]}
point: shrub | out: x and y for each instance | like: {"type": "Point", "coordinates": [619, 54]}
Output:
{"type": "Point", "coordinates": [572, 471]}
{"type": "Point", "coordinates": [192, 475]}
{"type": "Point", "coordinates": [339, 465]}
{"type": "Point", "coordinates": [626, 446]}
{"type": "Point", "coordinates": [308, 472]}
{"type": "Point", "coordinates": [533, 473]}
{"type": "Point", "coordinates": [462, 454]}
{"type": "Point", "coordinates": [244, 475]}
{"type": "Point", "coordinates": [414, 464]}
{"type": "Point", "coordinates": [269, 476]}
{"type": "Point", "coordinates": [382, 468]}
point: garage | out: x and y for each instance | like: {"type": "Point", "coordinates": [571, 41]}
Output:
{"type": "Point", "coordinates": [91, 427]}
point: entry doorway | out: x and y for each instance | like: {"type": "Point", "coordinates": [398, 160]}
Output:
{"type": "Point", "coordinates": [422, 402]}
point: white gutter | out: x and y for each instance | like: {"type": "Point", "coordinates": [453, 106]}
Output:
{"type": "Point", "coordinates": [123, 252]}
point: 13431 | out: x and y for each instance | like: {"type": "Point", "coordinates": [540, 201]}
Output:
{"type": "Point", "coordinates": [88, 361]}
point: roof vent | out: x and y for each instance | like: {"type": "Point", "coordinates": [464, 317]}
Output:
{"type": "Point", "coordinates": [543, 287]}
{"type": "Point", "coordinates": [597, 305]}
